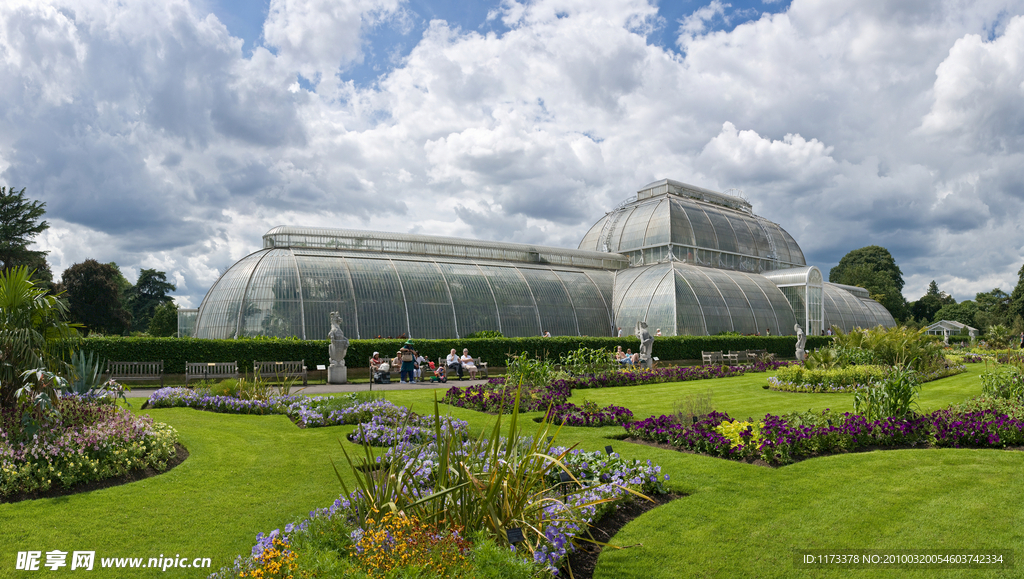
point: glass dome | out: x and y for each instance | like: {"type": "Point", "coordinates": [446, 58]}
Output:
{"type": "Point", "coordinates": [672, 221]}
{"type": "Point", "coordinates": [849, 307]}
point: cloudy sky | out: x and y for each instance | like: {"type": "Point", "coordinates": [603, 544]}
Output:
{"type": "Point", "coordinates": [172, 134]}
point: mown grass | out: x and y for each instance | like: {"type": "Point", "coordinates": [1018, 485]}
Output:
{"type": "Point", "coordinates": [248, 474]}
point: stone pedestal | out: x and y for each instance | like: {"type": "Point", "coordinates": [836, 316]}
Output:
{"type": "Point", "coordinates": [337, 374]}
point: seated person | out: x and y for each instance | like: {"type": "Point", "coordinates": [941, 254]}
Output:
{"type": "Point", "coordinates": [467, 363]}
{"type": "Point", "coordinates": [631, 358]}
{"type": "Point", "coordinates": [421, 361]}
{"type": "Point", "coordinates": [375, 362]}
{"type": "Point", "coordinates": [454, 363]}
{"type": "Point", "coordinates": [620, 356]}
{"type": "Point", "coordinates": [379, 367]}
{"type": "Point", "coordinates": [439, 373]}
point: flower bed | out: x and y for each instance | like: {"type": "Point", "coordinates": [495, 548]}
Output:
{"type": "Point", "coordinates": [305, 411]}
{"type": "Point", "coordinates": [91, 442]}
{"type": "Point", "coordinates": [848, 379]}
{"type": "Point", "coordinates": [494, 397]}
{"type": "Point", "coordinates": [781, 440]}
{"type": "Point", "coordinates": [588, 415]}
{"type": "Point", "coordinates": [391, 428]}
{"type": "Point", "coordinates": [601, 476]}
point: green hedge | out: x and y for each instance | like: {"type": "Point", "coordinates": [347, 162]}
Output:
{"type": "Point", "coordinates": [176, 351]}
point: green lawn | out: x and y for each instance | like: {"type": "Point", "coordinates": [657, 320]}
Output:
{"type": "Point", "coordinates": [248, 474]}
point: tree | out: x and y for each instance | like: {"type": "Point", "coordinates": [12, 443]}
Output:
{"type": "Point", "coordinates": [94, 297]}
{"type": "Point", "coordinates": [19, 224]}
{"type": "Point", "coordinates": [925, 308]}
{"type": "Point", "coordinates": [993, 308]}
{"type": "Point", "coordinates": [963, 312]}
{"type": "Point", "coordinates": [148, 292]}
{"type": "Point", "coordinates": [1015, 309]}
{"type": "Point", "coordinates": [878, 283]}
{"type": "Point", "coordinates": [877, 259]}
{"type": "Point", "coordinates": [165, 321]}
{"type": "Point", "coordinates": [34, 332]}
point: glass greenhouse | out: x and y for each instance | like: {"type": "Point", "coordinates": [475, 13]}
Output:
{"type": "Point", "coordinates": [685, 259]}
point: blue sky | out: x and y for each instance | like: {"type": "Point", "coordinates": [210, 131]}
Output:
{"type": "Point", "coordinates": [171, 134]}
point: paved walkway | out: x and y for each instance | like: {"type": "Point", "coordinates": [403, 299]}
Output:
{"type": "Point", "coordinates": [145, 392]}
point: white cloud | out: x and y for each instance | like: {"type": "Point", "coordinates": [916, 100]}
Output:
{"type": "Point", "coordinates": [157, 143]}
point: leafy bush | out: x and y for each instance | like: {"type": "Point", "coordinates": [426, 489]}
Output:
{"type": "Point", "coordinates": [585, 361]}
{"type": "Point", "coordinates": [1005, 381]}
{"type": "Point", "coordinates": [897, 346]}
{"type": "Point", "coordinates": [893, 395]}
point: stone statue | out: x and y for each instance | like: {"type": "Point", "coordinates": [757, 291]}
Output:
{"type": "Point", "coordinates": [973, 334]}
{"type": "Point", "coordinates": [801, 343]}
{"type": "Point", "coordinates": [337, 373]}
{"type": "Point", "coordinates": [646, 344]}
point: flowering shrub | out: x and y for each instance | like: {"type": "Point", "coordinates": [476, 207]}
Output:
{"type": "Point", "coordinates": [90, 442]}
{"type": "Point", "coordinates": [740, 433]}
{"type": "Point", "coordinates": [588, 415]}
{"type": "Point", "coordinates": [985, 429]}
{"type": "Point", "coordinates": [274, 561]}
{"type": "Point", "coordinates": [203, 400]}
{"type": "Point", "coordinates": [394, 540]}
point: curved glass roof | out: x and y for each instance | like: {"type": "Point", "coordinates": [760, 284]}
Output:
{"type": "Point", "coordinates": [722, 234]}
{"type": "Point", "coordinates": [291, 292]}
{"type": "Point", "coordinates": [847, 311]}
{"type": "Point", "coordinates": [683, 299]}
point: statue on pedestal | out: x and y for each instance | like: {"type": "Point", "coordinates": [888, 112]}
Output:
{"type": "Point", "coordinates": [646, 344]}
{"type": "Point", "coordinates": [801, 343]}
{"type": "Point", "coordinates": [337, 373]}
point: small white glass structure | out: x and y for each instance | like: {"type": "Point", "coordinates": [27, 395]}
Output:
{"type": "Point", "coordinates": [685, 259]}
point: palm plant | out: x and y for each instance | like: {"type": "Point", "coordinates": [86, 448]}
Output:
{"type": "Point", "coordinates": [34, 333]}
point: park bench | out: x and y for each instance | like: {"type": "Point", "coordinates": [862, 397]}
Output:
{"type": "Point", "coordinates": [481, 366]}
{"type": "Point", "coordinates": [290, 369]}
{"type": "Point", "coordinates": [711, 357]}
{"type": "Point", "coordinates": [136, 371]}
{"type": "Point", "coordinates": [210, 370]}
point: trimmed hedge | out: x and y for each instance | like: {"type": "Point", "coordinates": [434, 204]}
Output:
{"type": "Point", "coordinates": [176, 351]}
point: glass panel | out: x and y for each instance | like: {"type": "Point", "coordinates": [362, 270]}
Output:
{"type": "Point", "coordinates": [755, 288]}
{"type": "Point", "coordinates": [430, 308]}
{"type": "Point", "coordinates": [218, 314]}
{"type": "Point", "coordinates": [273, 306]}
{"type": "Point", "coordinates": [379, 302]}
{"type": "Point", "coordinates": [703, 232]}
{"type": "Point", "coordinates": [716, 311]}
{"type": "Point", "coordinates": [471, 294]}
{"type": "Point", "coordinates": [723, 230]}
{"type": "Point", "coordinates": [635, 300]}
{"type": "Point", "coordinates": [592, 240]}
{"type": "Point", "coordinates": [739, 308]}
{"type": "Point", "coordinates": [689, 317]}
{"type": "Point", "coordinates": [659, 226]}
{"type": "Point", "coordinates": [326, 289]}
{"type": "Point", "coordinates": [516, 307]}
{"type": "Point", "coordinates": [682, 232]}
{"type": "Point", "coordinates": [592, 315]}
{"type": "Point", "coordinates": [553, 303]}
{"type": "Point", "coordinates": [635, 228]}
{"type": "Point", "coordinates": [661, 314]}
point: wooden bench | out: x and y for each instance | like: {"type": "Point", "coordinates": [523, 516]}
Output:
{"type": "Point", "coordinates": [291, 369]}
{"type": "Point", "coordinates": [136, 371]}
{"type": "Point", "coordinates": [210, 370]}
{"type": "Point", "coordinates": [481, 366]}
{"type": "Point", "coordinates": [711, 357]}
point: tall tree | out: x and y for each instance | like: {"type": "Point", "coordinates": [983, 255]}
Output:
{"type": "Point", "coordinates": [873, 269]}
{"type": "Point", "coordinates": [148, 292]}
{"type": "Point", "coordinates": [993, 308]}
{"type": "Point", "coordinates": [925, 308]}
{"type": "Point", "coordinates": [19, 224]}
{"type": "Point", "coordinates": [1015, 309]}
{"type": "Point", "coordinates": [875, 257]}
{"type": "Point", "coordinates": [963, 312]}
{"type": "Point", "coordinates": [94, 297]}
